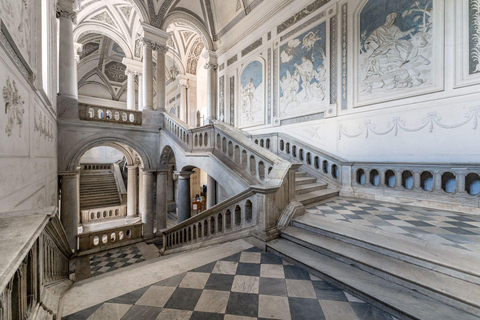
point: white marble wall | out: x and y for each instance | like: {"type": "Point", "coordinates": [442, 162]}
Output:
{"type": "Point", "coordinates": [435, 122]}
{"type": "Point", "coordinates": [28, 130]}
{"type": "Point", "coordinates": [102, 154]}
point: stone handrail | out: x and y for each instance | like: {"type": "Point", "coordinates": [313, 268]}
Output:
{"type": "Point", "coordinates": [231, 216]}
{"type": "Point", "coordinates": [122, 189]}
{"type": "Point", "coordinates": [448, 186]}
{"type": "Point", "coordinates": [230, 145]}
{"type": "Point", "coordinates": [109, 238]}
{"type": "Point", "coordinates": [33, 261]}
{"type": "Point", "coordinates": [109, 114]}
{"type": "Point", "coordinates": [317, 162]}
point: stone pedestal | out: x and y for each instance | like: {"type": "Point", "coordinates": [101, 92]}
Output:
{"type": "Point", "coordinates": [70, 205]}
{"type": "Point", "coordinates": [184, 200]}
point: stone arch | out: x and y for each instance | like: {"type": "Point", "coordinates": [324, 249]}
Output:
{"type": "Point", "coordinates": [194, 23]}
{"type": "Point", "coordinates": [165, 156]}
{"type": "Point", "coordinates": [97, 28]}
{"type": "Point", "coordinates": [75, 153]}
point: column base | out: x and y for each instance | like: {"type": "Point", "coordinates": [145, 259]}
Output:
{"type": "Point", "coordinates": [266, 235]}
{"type": "Point", "coordinates": [67, 107]}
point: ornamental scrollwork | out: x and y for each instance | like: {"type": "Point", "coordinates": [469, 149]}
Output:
{"type": "Point", "coordinates": [67, 14]}
{"type": "Point", "coordinates": [14, 107]}
{"type": "Point", "coordinates": [209, 65]}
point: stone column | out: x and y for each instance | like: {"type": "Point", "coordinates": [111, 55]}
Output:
{"type": "Point", "coordinates": [147, 216]}
{"type": "Point", "coordinates": [147, 82]}
{"type": "Point", "coordinates": [130, 89]}
{"type": "Point", "coordinates": [132, 192]}
{"type": "Point", "coordinates": [184, 200]}
{"type": "Point", "coordinates": [161, 83]}
{"type": "Point", "coordinates": [211, 194]}
{"type": "Point", "coordinates": [170, 192]}
{"type": "Point", "coordinates": [211, 66]}
{"type": "Point", "coordinates": [70, 205]}
{"type": "Point", "coordinates": [67, 67]}
{"type": "Point", "coordinates": [183, 85]}
{"type": "Point", "coordinates": [161, 201]}
{"type": "Point", "coordinates": [140, 93]}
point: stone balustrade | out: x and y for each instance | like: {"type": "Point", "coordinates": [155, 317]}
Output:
{"type": "Point", "coordinates": [110, 115]}
{"type": "Point", "coordinates": [96, 166]}
{"type": "Point", "coordinates": [450, 186]}
{"type": "Point", "coordinates": [35, 263]}
{"type": "Point", "coordinates": [110, 238]}
{"type": "Point", "coordinates": [232, 216]}
{"type": "Point", "coordinates": [102, 214]}
{"type": "Point", "coordinates": [317, 162]}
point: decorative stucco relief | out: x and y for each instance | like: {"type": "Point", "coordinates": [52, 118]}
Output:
{"type": "Point", "coordinates": [397, 124]}
{"type": "Point", "coordinates": [43, 125]}
{"type": "Point", "coordinates": [396, 42]}
{"type": "Point", "coordinates": [232, 101]}
{"type": "Point", "coordinates": [252, 95]}
{"type": "Point", "coordinates": [14, 107]}
{"type": "Point", "coordinates": [221, 98]}
{"type": "Point", "coordinates": [303, 73]}
{"type": "Point", "coordinates": [16, 16]}
{"type": "Point", "coordinates": [301, 15]}
{"type": "Point", "coordinates": [344, 55]}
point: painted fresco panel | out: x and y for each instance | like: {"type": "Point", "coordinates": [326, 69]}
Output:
{"type": "Point", "coordinates": [252, 95]}
{"type": "Point", "coordinates": [303, 73]}
{"type": "Point", "coordinates": [396, 43]}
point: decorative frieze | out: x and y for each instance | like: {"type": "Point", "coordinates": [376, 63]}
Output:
{"type": "Point", "coordinates": [232, 101]}
{"type": "Point", "coordinates": [311, 117]}
{"type": "Point", "coordinates": [252, 47]}
{"type": "Point", "coordinates": [269, 105]}
{"type": "Point", "coordinates": [232, 60]}
{"type": "Point", "coordinates": [43, 125]}
{"type": "Point", "coordinates": [303, 25]}
{"type": "Point", "coordinates": [275, 86]}
{"type": "Point", "coordinates": [301, 15]}
{"type": "Point", "coordinates": [333, 60]}
{"type": "Point", "coordinates": [14, 107]}
{"type": "Point", "coordinates": [344, 55]}
{"type": "Point", "coordinates": [221, 67]}
{"type": "Point", "coordinates": [221, 98]}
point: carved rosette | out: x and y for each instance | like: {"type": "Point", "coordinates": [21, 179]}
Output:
{"type": "Point", "coordinates": [67, 14]}
{"type": "Point", "coordinates": [209, 65]}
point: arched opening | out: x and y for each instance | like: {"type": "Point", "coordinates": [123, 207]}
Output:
{"type": "Point", "coordinates": [448, 182]}
{"type": "Point", "coordinates": [407, 180]}
{"type": "Point", "coordinates": [374, 178]}
{"type": "Point", "coordinates": [248, 211]}
{"type": "Point", "coordinates": [390, 178]}
{"type": "Point", "coordinates": [228, 220]}
{"type": "Point", "coordinates": [360, 177]}
{"type": "Point", "coordinates": [238, 216]}
{"type": "Point", "coordinates": [472, 184]}
{"type": "Point", "coordinates": [426, 181]}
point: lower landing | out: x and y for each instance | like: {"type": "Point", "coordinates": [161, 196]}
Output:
{"type": "Point", "coordinates": [229, 281]}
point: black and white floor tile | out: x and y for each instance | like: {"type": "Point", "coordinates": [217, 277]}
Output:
{"type": "Point", "coordinates": [247, 285]}
{"type": "Point", "coordinates": [443, 227]}
{"type": "Point", "coordinates": [114, 259]}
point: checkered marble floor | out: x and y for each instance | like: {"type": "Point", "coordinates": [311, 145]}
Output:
{"type": "Point", "coordinates": [114, 259]}
{"type": "Point", "coordinates": [247, 285]}
{"type": "Point", "coordinates": [443, 227]}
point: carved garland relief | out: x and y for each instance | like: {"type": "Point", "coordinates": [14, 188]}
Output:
{"type": "Point", "coordinates": [14, 107]}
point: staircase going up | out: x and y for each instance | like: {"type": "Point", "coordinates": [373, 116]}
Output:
{"type": "Point", "coordinates": [399, 276]}
{"type": "Point", "coordinates": [98, 189]}
{"type": "Point", "coordinates": [309, 191]}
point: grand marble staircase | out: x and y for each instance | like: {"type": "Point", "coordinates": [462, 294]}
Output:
{"type": "Point", "coordinates": [308, 190]}
{"type": "Point", "coordinates": [98, 189]}
{"type": "Point", "coordinates": [406, 279]}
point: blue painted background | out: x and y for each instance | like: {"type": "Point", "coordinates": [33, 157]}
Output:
{"type": "Point", "coordinates": [253, 70]}
{"type": "Point", "coordinates": [375, 11]}
{"type": "Point", "coordinates": [298, 53]}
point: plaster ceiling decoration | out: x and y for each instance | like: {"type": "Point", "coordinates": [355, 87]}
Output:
{"type": "Point", "coordinates": [105, 17]}
{"type": "Point", "coordinates": [224, 12]}
{"type": "Point", "coordinates": [100, 69]}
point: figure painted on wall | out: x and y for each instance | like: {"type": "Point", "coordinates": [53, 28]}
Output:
{"type": "Point", "coordinates": [252, 95]}
{"type": "Point", "coordinates": [303, 73]}
{"type": "Point", "coordinates": [396, 45]}
{"type": "Point", "coordinates": [474, 36]}
{"type": "Point", "coordinates": [14, 107]}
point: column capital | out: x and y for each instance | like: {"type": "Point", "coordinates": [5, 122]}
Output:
{"type": "Point", "coordinates": [69, 174]}
{"type": "Point", "coordinates": [131, 167]}
{"type": "Point", "coordinates": [184, 175]}
{"type": "Point", "coordinates": [209, 65]}
{"type": "Point", "coordinates": [133, 66]}
{"type": "Point", "coordinates": [183, 83]}
{"type": "Point", "coordinates": [210, 56]}
{"type": "Point", "coordinates": [154, 37]}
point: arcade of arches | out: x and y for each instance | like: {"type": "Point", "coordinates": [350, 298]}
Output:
{"type": "Point", "coordinates": [239, 159]}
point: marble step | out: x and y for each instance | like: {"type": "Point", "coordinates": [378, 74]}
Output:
{"type": "Point", "coordinates": [99, 192]}
{"type": "Point", "coordinates": [453, 262]}
{"type": "Point", "coordinates": [316, 196]}
{"type": "Point", "coordinates": [304, 180]}
{"type": "Point", "coordinates": [400, 301]}
{"type": "Point", "coordinates": [305, 188]}
{"type": "Point", "coordinates": [100, 204]}
{"type": "Point", "coordinates": [300, 174]}
{"type": "Point", "coordinates": [453, 291]}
